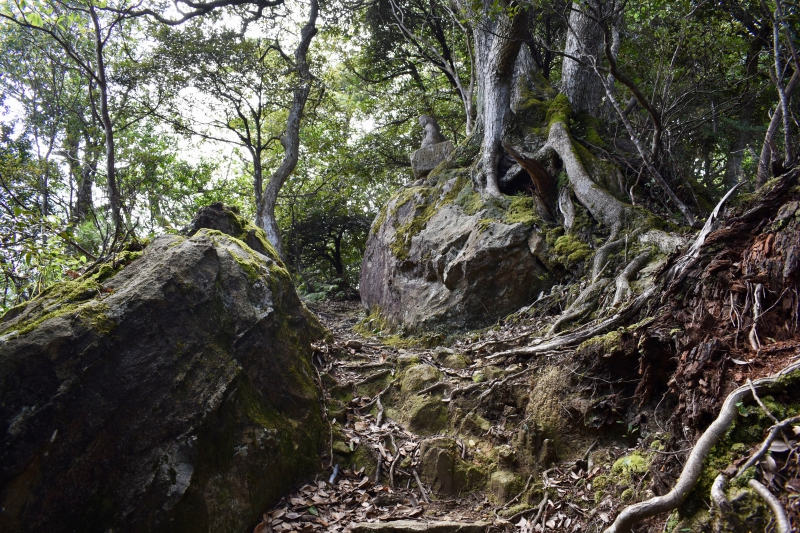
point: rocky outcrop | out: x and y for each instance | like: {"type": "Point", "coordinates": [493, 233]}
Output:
{"type": "Point", "coordinates": [427, 158]}
{"type": "Point", "coordinates": [439, 257]}
{"type": "Point", "coordinates": [175, 394]}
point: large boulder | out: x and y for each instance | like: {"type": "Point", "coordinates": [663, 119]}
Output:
{"type": "Point", "coordinates": [175, 394]}
{"type": "Point", "coordinates": [438, 257]}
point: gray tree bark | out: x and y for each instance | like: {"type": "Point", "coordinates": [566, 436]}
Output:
{"type": "Point", "coordinates": [583, 49]}
{"type": "Point", "coordinates": [497, 43]}
{"type": "Point", "coordinates": [266, 201]}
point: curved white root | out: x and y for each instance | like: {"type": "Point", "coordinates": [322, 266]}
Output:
{"type": "Point", "coordinates": [718, 494]}
{"type": "Point", "coordinates": [577, 336]}
{"type": "Point", "coordinates": [775, 505]}
{"type": "Point", "coordinates": [694, 464]}
{"type": "Point", "coordinates": [585, 302]}
{"type": "Point", "coordinates": [623, 281]}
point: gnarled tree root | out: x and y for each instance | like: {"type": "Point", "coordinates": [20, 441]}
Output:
{"type": "Point", "coordinates": [577, 336]}
{"type": "Point", "coordinates": [584, 303]}
{"type": "Point", "coordinates": [694, 464]}
{"type": "Point", "coordinates": [726, 514]}
{"type": "Point", "coordinates": [783, 525]}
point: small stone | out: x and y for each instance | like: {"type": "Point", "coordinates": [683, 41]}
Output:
{"type": "Point", "coordinates": [414, 526]}
{"type": "Point", "coordinates": [493, 372]}
{"type": "Point", "coordinates": [441, 353]}
{"type": "Point", "coordinates": [341, 448]}
{"type": "Point", "coordinates": [354, 344]}
{"type": "Point", "coordinates": [426, 159]}
{"type": "Point", "coordinates": [405, 360]}
{"type": "Point", "coordinates": [506, 455]}
{"type": "Point", "coordinates": [504, 485]}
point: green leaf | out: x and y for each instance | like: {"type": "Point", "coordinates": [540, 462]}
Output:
{"type": "Point", "coordinates": [313, 510]}
{"type": "Point", "coordinates": [34, 19]}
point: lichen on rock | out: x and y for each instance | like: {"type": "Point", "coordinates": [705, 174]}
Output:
{"type": "Point", "coordinates": [175, 393]}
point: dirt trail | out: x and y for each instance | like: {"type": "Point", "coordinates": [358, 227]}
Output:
{"type": "Point", "coordinates": [377, 461]}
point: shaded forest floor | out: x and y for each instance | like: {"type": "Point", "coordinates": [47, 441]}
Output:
{"type": "Point", "coordinates": [384, 473]}
{"type": "Point", "coordinates": [525, 430]}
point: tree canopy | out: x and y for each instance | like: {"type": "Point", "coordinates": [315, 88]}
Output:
{"type": "Point", "coordinates": [119, 119]}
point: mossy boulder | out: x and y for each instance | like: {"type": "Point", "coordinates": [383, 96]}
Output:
{"type": "Point", "coordinates": [173, 395]}
{"type": "Point", "coordinates": [427, 415]}
{"type": "Point", "coordinates": [440, 257]}
{"type": "Point", "coordinates": [417, 377]}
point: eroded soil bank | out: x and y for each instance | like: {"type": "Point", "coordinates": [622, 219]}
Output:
{"type": "Point", "coordinates": [524, 426]}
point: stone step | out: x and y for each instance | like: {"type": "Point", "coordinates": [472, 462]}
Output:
{"type": "Point", "coordinates": [415, 526]}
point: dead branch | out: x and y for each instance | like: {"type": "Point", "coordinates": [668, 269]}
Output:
{"type": "Point", "coordinates": [773, 434]}
{"type": "Point", "coordinates": [421, 488]}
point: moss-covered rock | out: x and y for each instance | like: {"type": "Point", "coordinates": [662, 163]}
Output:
{"type": "Point", "coordinates": [444, 470]}
{"type": "Point", "coordinates": [426, 415]}
{"type": "Point", "coordinates": [442, 257]}
{"type": "Point", "coordinates": [417, 377]}
{"type": "Point", "coordinates": [504, 485]}
{"type": "Point", "coordinates": [173, 394]}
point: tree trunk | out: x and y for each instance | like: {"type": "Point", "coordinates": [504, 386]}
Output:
{"type": "Point", "coordinates": [769, 151]}
{"type": "Point", "coordinates": [265, 208]}
{"type": "Point", "coordinates": [497, 43]}
{"type": "Point", "coordinates": [107, 123]}
{"type": "Point", "coordinates": [584, 46]}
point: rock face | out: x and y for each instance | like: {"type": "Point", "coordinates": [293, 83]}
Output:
{"type": "Point", "coordinates": [437, 257]}
{"type": "Point", "coordinates": [173, 395]}
{"type": "Point", "coordinates": [425, 159]}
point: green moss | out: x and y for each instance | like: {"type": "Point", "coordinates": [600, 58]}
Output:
{"type": "Point", "coordinates": [607, 344]}
{"type": "Point", "coordinates": [427, 415]}
{"type": "Point", "coordinates": [374, 323]}
{"type": "Point", "coordinates": [484, 223]}
{"type": "Point", "coordinates": [630, 465]}
{"type": "Point", "coordinates": [417, 377]}
{"type": "Point", "coordinates": [521, 211]}
{"type": "Point", "coordinates": [514, 509]}
{"type": "Point", "coordinates": [380, 220]}
{"type": "Point", "coordinates": [570, 250]}
{"type": "Point", "coordinates": [77, 298]}
{"type": "Point", "coordinates": [602, 482]}
{"type": "Point", "coordinates": [560, 110]}
{"type": "Point", "coordinates": [469, 200]}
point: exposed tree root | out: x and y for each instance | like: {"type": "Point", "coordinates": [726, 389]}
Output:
{"type": "Point", "coordinates": [585, 302]}
{"type": "Point", "coordinates": [694, 464]}
{"type": "Point", "coordinates": [566, 207]}
{"type": "Point", "coordinates": [625, 277]}
{"type": "Point", "coordinates": [577, 336]}
{"type": "Point", "coordinates": [601, 204]}
{"type": "Point", "coordinates": [783, 525]}
{"type": "Point", "coordinates": [602, 253]}
{"type": "Point", "coordinates": [726, 514]}
{"type": "Point", "coordinates": [773, 434]}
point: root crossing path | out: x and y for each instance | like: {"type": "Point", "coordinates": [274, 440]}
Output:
{"type": "Point", "coordinates": [387, 469]}
{"type": "Point", "coordinates": [452, 439]}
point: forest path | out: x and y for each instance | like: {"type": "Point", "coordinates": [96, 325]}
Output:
{"type": "Point", "coordinates": [383, 485]}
